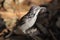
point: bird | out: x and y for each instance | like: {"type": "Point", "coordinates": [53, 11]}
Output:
{"type": "Point", "coordinates": [30, 18]}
